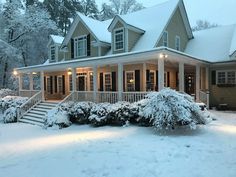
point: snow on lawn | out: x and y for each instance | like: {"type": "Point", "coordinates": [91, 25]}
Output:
{"type": "Point", "coordinates": [83, 151]}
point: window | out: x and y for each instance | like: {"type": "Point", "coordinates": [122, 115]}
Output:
{"type": "Point", "coordinates": [130, 81]}
{"type": "Point", "coordinates": [165, 79]}
{"type": "Point", "coordinates": [80, 46]}
{"type": "Point", "coordinates": [177, 43]}
{"type": "Point", "coordinates": [59, 81]}
{"type": "Point", "coordinates": [91, 81]}
{"type": "Point", "coordinates": [165, 39]}
{"type": "Point", "coordinates": [151, 81]}
{"type": "Point", "coordinates": [49, 85]}
{"type": "Point", "coordinates": [107, 82]}
{"type": "Point", "coordinates": [119, 39]}
{"type": "Point", "coordinates": [226, 77]}
{"type": "Point", "coordinates": [53, 53]}
{"type": "Point", "coordinates": [70, 82]}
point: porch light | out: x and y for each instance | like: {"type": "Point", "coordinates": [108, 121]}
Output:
{"type": "Point", "coordinates": [162, 55]}
{"type": "Point", "coordinates": [34, 73]}
{"type": "Point", "coordinates": [91, 74]}
{"type": "Point", "coordinates": [15, 72]}
{"type": "Point", "coordinates": [131, 81]}
{"type": "Point", "coordinates": [69, 72]}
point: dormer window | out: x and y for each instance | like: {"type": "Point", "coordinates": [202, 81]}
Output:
{"type": "Point", "coordinates": [80, 46]}
{"type": "Point", "coordinates": [53, 53]}
{"type": "Point", "coordinates": [177, 42]}
{"type": "Point", "coordinates": [119, 39]}
{"type": "Point", "coordinates": [165, 39]}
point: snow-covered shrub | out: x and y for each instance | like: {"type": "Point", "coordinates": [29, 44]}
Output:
{"type": "Point", "coordinates": [10, 115]}
{"type": "Point", "coordinates": [57, 117]}
{"type": "Point", "coordinates": [80, 112]}
{"type": "Point", "coordinates": [98, 114]}
{"type": "Point", "coordinates": [168, 109]}
{"type": "Point", "coordinates": [6, 92]}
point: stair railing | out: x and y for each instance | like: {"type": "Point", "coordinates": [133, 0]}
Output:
{"type": "Point", "coordinates": [24, 108]}
{"type": "Point", "coordinates": [68, 98]}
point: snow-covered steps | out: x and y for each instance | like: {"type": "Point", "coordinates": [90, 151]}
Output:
{"type": "Point", "coordinates": [36, 115]}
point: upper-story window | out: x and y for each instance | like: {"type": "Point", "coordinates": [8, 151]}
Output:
{"type": "Point", "coordinates": [165, 39]}
{"type": "Point", "coordinates": [80, 46]}
{"type": "Point", "coordinates": [119, 39]}
{"type": "Point", "coordinates": [177, 42]}
{"type": "Point", "coordinates": [226, 77]}
{"type": "Point", "coordinates": [52, 53]}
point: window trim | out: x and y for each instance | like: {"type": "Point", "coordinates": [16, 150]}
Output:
{"type": "Point", "coordinates": [226, 77]}
{"type": "Point", "coordinates": [177, 37]}
{"type": "Point", "coordinates": [75, 50]}
{"type": "Point", "coordinates": [167, 39]}
{"type": "Point", "coordinates": [114, 38]}
{"type": "Point", "coordinates": [55, 55]}
{"type": "Point", "coordinates": [58, 85]}
{"type": "Point", "coordinates": [104, 81]}
{"type": "Point", "coordinates": [126, 84]}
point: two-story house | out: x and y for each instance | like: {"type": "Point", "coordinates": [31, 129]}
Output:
{"type": "Point", "coordinates": [124, 58]}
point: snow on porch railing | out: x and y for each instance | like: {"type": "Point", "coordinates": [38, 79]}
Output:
{"type": "Point", "coordinates": [68, 98]}
{"type": "Point", "coordinates": [110, 97]}
{"type": "Point", "coordinates": [204, 97]}
{"type": "Point", "coordinates": [29, 104]}
{"type": "Point", "coordinates": [84, 96]}
{"type": "Point", "coordinates": [133, 96]}
{"type": "Point", "coordinates": [28, 93]}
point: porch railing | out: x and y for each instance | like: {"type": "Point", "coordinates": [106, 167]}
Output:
{"type": "Point", "coordinates": [133, 96]}
{"type": "Point", "coordinates": [83, 96]}
{"type": "Point", "coordinates": [24, 108]}
{"type": "Point", "coordinates": [68, 98]}
{"type": "Point", "coordinates": [204, 97]}
{"type": "Point", "coordinates": [110, 97]}
{"type": "Point", "coordinates": [28, 93]}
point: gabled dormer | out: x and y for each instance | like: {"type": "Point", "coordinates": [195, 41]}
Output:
{"type": "Point", "coordinates": [123, 36]}
{"type": "Point", "coordinates": [54, 53]}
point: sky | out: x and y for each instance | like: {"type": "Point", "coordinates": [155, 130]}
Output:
{"type": "Point", "coordinates": [221, 12]}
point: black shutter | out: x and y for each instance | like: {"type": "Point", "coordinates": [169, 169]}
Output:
{"type": "Point", "coordinates": [168, 79]}
{"type": "Point", "coordinates": [101, 81]}
{"type": "Point", "coordinates": [88, 45]}
{"type": "Point", "coordinates": [213, 77]}
{"type": "Point", "coordinates": [72, 48]}
{"type": "Point", "coordinates": [137, 80]}
{"type": "Point", "coordinates": [55, 83]}
{"type": "Point", "coordinates": [123, 81]}
{"type": "Point", "coordinates": [148, 75]}
{"type": "Point", "coordinates": [45, 83]}
{"type": "Point", "coordinates": [63, 85]}
{"type": "Point", "coordinates": [177, 79]}
{"type": "Point", "coordinates": [51, 83]}
{"type": "Point", "coordinates": [113, 81]}
{"type": "Point", "coordinates": [156, 80]}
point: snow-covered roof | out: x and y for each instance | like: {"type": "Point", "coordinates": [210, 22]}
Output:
{"type": "Point", "coordinates": [214, 45]}
{"type": "Point", "coordinates": [57, 39]}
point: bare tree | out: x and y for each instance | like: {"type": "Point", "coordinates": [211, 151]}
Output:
{"type": "Point", "coordinates": [203, 24]}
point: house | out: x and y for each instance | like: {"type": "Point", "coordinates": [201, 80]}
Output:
{"type": "Point", "coordinates": [124, 58]}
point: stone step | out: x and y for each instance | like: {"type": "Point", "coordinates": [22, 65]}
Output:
{"type": "Point", "coordinates": [40, 120]}
{"type": "Point", "coordinates": [37, 112]}
{"type": "Point", "coordinates": [35, 115]}
{"type": "Point", "coordinates": [31, 122]}
{"type": "Point", "coordinates": [44, 107]}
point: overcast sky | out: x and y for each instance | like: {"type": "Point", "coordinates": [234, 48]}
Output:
{"type": "Point", "coordinates": [222, 12]}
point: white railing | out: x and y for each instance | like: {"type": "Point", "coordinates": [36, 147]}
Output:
{"type": "Point", "coordinates": [204, 97]}
{"type": "Point", "coordinates": [28, 93]}
{"type": "Point", "coordinates": [83, 96]}
{"type": "Point", "coordinates": [68, 98]}
{"type": "Point", "coordinates": [24, 108]}
{"type": "Point", "coordinates": [110, 97]}
{"type": "Point", "coordinates": [133, 96]}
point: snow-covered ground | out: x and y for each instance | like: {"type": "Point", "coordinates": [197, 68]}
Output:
{"type": "Point", "coordinates": [82, 151]}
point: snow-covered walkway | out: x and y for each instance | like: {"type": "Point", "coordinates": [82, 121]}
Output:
{"type": "Point", "coordinates": [82, 151]}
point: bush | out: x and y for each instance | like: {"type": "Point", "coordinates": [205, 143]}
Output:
{"type": "Point", "coordinates": [6, 92]}
{"type": "Point", "coordinates": [10, 115]}
{"type": "Point", "coordinates": [168, 109]}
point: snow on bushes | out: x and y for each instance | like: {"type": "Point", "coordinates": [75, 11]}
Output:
{"type": "Point", "coordinates": [10, 115]}
{"type": "Point", "coordinates": [6, 92]}
{"type": "Point", "coordinates": [168, 109]}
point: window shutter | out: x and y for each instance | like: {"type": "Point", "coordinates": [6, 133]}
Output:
{"type": "Point", "coordinates": [113, 81]}
{"type": "Point", "coordinates": [213, 77]}
{"type": "Point", "coordinates": [63, 85]}
{"type": "Point", "coordinates": [88, 45]}
{"type": "Point", "coordinates": [51, 83]}
{"type": "Point", "coordinates": [72, 48]}
{"type": "Point", "coordinates": [177, 79]}
{"type": "Point", "coordinates": [168, 79]}
{"type": "Point", "coordinates": [101, 81]}
{"type": "Point", "coordinates": [123, 81]}
{"type": "Point", "coordinates": [45, 84]}
{"type": "Point", "coordinates": [137, 80]}
{"type": "Point", "coordinates": [55, 83]}
{"type": "Point", "coordinates": [156, 80]}
{"type": "Point", "coordinates": [147, 75]}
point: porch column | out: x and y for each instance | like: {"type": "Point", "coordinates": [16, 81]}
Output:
{"type": "Point", "coordinates": [42, 84]}
{"type": "Point", "coordinates": [207, 79]}
{"type": "Point", "coordinates": [74, 82]}
{"type": "Point", "coordinates": [31, 82]}
{"type": "Point", "coordinates": [181, 77]}
{"type": "Point", "coordinates": [198, 75]}
{"type": "Point", "coordinates": [161, 72]}
{"type": "Point", "coordinates": [95, 87]}
{"type": "Point", "coordinates": [120, 81]}
{"type": "Point", "coordinates": [20, 83]}
{"type": "Point", "coordinates": [144, 77]}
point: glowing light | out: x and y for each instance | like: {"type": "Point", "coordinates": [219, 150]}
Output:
{"type": "Point", "coordinates": [162, 55]}
{"type": "Point", "coordinates": [69, 72]}
{"type": "Point", "coordinates": [15, 72]}
{"type": "Point", "coordinates": [34, 73]}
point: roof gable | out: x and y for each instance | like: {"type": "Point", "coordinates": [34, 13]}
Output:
{"type": "Point", "coordinates": [55, 39]}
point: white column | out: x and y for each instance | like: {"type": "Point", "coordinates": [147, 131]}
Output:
{"type": "Point", "coordinates": [120, 81]}
{"type": "Point", "coordinates": [42, 84]}
{"type": "Point", "coordinates": [207, 79]}
{"type": "Point", "coordinates": [181, 77]}
{"type": "Point", "coordinates": [20, 83]}
{"type": "Point", "coordinates": [144, 77]}
{"type": "Point", "coordinates": [95, 81]}
{"type": "Point", "coordinates": [31, 82]}
{"type": "Point", "coordinates": [161, 72]}
{"type": "Point", "coordinates": [198, 75]}
{"type": "Point", "coordinates": [73, 82]}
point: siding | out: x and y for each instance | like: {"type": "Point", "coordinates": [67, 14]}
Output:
{"type": "Point", "coordinates": [176, 27]}
{"type": "Point", "coordinates": [133, 38]}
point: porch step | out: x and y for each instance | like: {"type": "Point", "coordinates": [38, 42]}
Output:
{"type": "Point", "coordinates": [36, 115]}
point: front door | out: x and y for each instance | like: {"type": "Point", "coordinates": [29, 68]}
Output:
{"type": "Point", "coordinates": [190, 84]}
{"type": "Point", "coordinates": [82, 83]}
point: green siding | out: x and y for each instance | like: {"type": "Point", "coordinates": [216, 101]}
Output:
{"type": "Point", "coordinates": [133, 38]}
{"type": "Point", "coordinates": [175, 28]}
